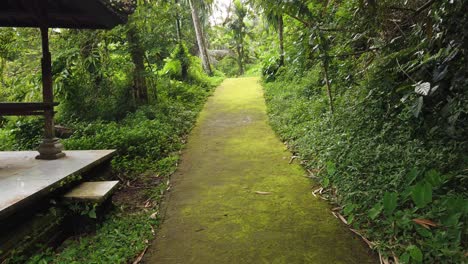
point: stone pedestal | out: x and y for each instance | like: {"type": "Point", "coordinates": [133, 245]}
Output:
{"type": "Point", "coordinates": [50, 149]}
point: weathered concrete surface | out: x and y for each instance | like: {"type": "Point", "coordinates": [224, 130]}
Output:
{"type": "Point", "coordinates": [23, 177]}
{"type": "Point", "coordinates": [91, 191]}
{"type": "Point", "coordinates": [213, 213]}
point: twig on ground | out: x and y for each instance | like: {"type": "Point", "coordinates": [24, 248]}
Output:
{"type": "Point", "coordinates": [292, 159]}
{"type": "Point", "coordinates": [342, 218]}
{"type": "Point", "coordinates": [140, 257]}
{"type": "Point", "coordinates": [262, 193]}
{"type": "Point", "coordinates": [369, 243]}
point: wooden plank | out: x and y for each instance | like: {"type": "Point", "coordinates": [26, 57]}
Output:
{"type": "Point", "coordinates": [27, 106]}
{"type": "Point", "coordinates": [25, 109]}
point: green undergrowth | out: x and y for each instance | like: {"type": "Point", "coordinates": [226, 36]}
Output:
{"type": "Point", "coordinates": [117, 240]}
{"type": "Point", "coordinates": [147, 143]}
{"type": "Point", "coordinates": [382, 165]}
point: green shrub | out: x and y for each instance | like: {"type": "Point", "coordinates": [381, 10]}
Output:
{"type": "Point", "coordinates": [386, 169]}
{"type": "Point", "coordinates": [228, 65]}
{"type": "Point", "coordinates": [151, 133]}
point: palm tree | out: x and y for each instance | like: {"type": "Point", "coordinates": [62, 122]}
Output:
{"type": "Point", "coordinates": [239, 29]}
{"type": "Point", "coordinates": [273, 14]}
{"type": "Point", "coordinates": [199, 34]}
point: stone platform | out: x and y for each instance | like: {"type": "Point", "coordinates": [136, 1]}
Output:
{"type": "Point", "coordinates": [24, 178]}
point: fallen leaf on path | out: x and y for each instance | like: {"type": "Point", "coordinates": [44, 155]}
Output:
{"type": "Point", "coordinates": [262, 193]}
{"type": "Point", "coordinates": [311, 174]}
{"type": "Point", "coordinates": [292, 159]}
{"type": "Point", "coordinates": [342, 218]}
{"type": "Point", "coordinates": [383, 260]}
{"type": "Point", "coordinates": [319, 190]}
{"type": "Point", "coordinates": [395, 258]}
{"type": "Point", "coordinates": [425, 223]}
{"type": "Point", "coordinates": [154, 215]}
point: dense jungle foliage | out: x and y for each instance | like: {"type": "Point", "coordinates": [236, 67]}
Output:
{"type": "Point", "coordinates": [121, 89]}
{"type": "Point", "coordinates": [136, 88]}
{"type": "Point", "coordinates": [372, 96]}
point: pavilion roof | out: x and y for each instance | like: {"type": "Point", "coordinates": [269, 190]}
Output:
{"type": "Point", "coordinates": [80, 14]}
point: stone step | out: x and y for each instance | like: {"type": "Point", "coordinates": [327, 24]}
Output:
{"type": "Point", "coordinates": [92, 191]}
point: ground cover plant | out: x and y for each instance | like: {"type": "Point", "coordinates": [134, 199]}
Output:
{"type": "Point", "coordinates": [378, 114]}
{"type": "Point", "coordinates": [148, 142]}
{"type": "Point", "coordinates": [370, 95]}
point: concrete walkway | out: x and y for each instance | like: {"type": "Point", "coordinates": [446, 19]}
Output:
{"type": "Point", "coordinates": [235, 198]}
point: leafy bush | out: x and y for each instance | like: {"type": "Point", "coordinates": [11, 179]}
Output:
{"type": "Point", "coordinates": [150, 134]}
{"type": "Point", "coordinates": [117, 240]}
{"type": "Point", "coordinates": [387, 172]}
{"type": "Point", "coordinates": [228, 65]}
{"type": "Point", "coordinates": [270, 68]}
{"type": "Point", "coordinates": [21, 134]}
{"type": "Point", "coordinates": [177, 64]}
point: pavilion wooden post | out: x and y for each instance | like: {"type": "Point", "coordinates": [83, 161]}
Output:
{"type": "Point", "coordinates": [50, 148]}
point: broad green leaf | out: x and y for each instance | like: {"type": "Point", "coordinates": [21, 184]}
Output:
{"type": "Point", "coordinates": [390, 202]}
{"type": "Point", "coordinates": [375, 211]}
{"type": "Point", "coordinates": [423, 231]}
{"type": "Point", "coordinates": [411, 176]}
{"type": "Point", "coordinates": [349, 208]}
{"type": "Point", "coordinates": [325, 182]}
{"type": "Point", "coordinates": [415, 253]}
{"type": "Point", "coordinates": [331, 168]}
{"type": "Point", "coordinates": [422, 194]}
{"type": "Point", "coordinates": [350, 219]}
{"type": "Point", "coordinates": [417, 106]}
{"type": "Point", "coordinates": [434, 178]}
{"type": "Point", "coordinates": [405, 258]}
{"type": "Point", "coordinates": [92, 213]}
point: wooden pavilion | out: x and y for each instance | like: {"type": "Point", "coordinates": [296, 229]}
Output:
{"type": "Point", "coordinates": [45, 14]}
{"type": "Point", "coordinates": [28, 182]}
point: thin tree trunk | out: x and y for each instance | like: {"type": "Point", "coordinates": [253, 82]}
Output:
{"type": "Point", "coordinates": [327, 81]}
{"type": "Point", "coordinates": [281, 38]}
{"type": "Point", "coordinates": [200, 39]}
{"type": "Point", "coordinates": [178, 24]}
{"type": "Point", "coordinates": [240, 60]}
{"type": "Point", "coordinates": [140, 89]}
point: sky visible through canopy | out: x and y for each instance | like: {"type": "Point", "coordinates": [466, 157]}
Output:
{"type": "Point", "coordinates": [220, 11]}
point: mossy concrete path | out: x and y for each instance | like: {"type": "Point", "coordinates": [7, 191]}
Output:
{"type": "Point", "coordinates": [236, 199]}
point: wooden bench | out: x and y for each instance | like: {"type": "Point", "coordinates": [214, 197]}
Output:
{"type": "Point", "coordinates": [24, 109]}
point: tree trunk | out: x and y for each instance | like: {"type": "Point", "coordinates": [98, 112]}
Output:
{"type": "Point", "coordinates": [327, 81]}
{"type": "Point", "coordinates": [178, 23]}
{"type": "Point", "coordinates": [281, 38]}
{"type": "Point", "coordinates": [200, 39]}
{"type": "Point", "coordinates": [140, 89]}
{"type": "Point", "coordinates": [240, 59]}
